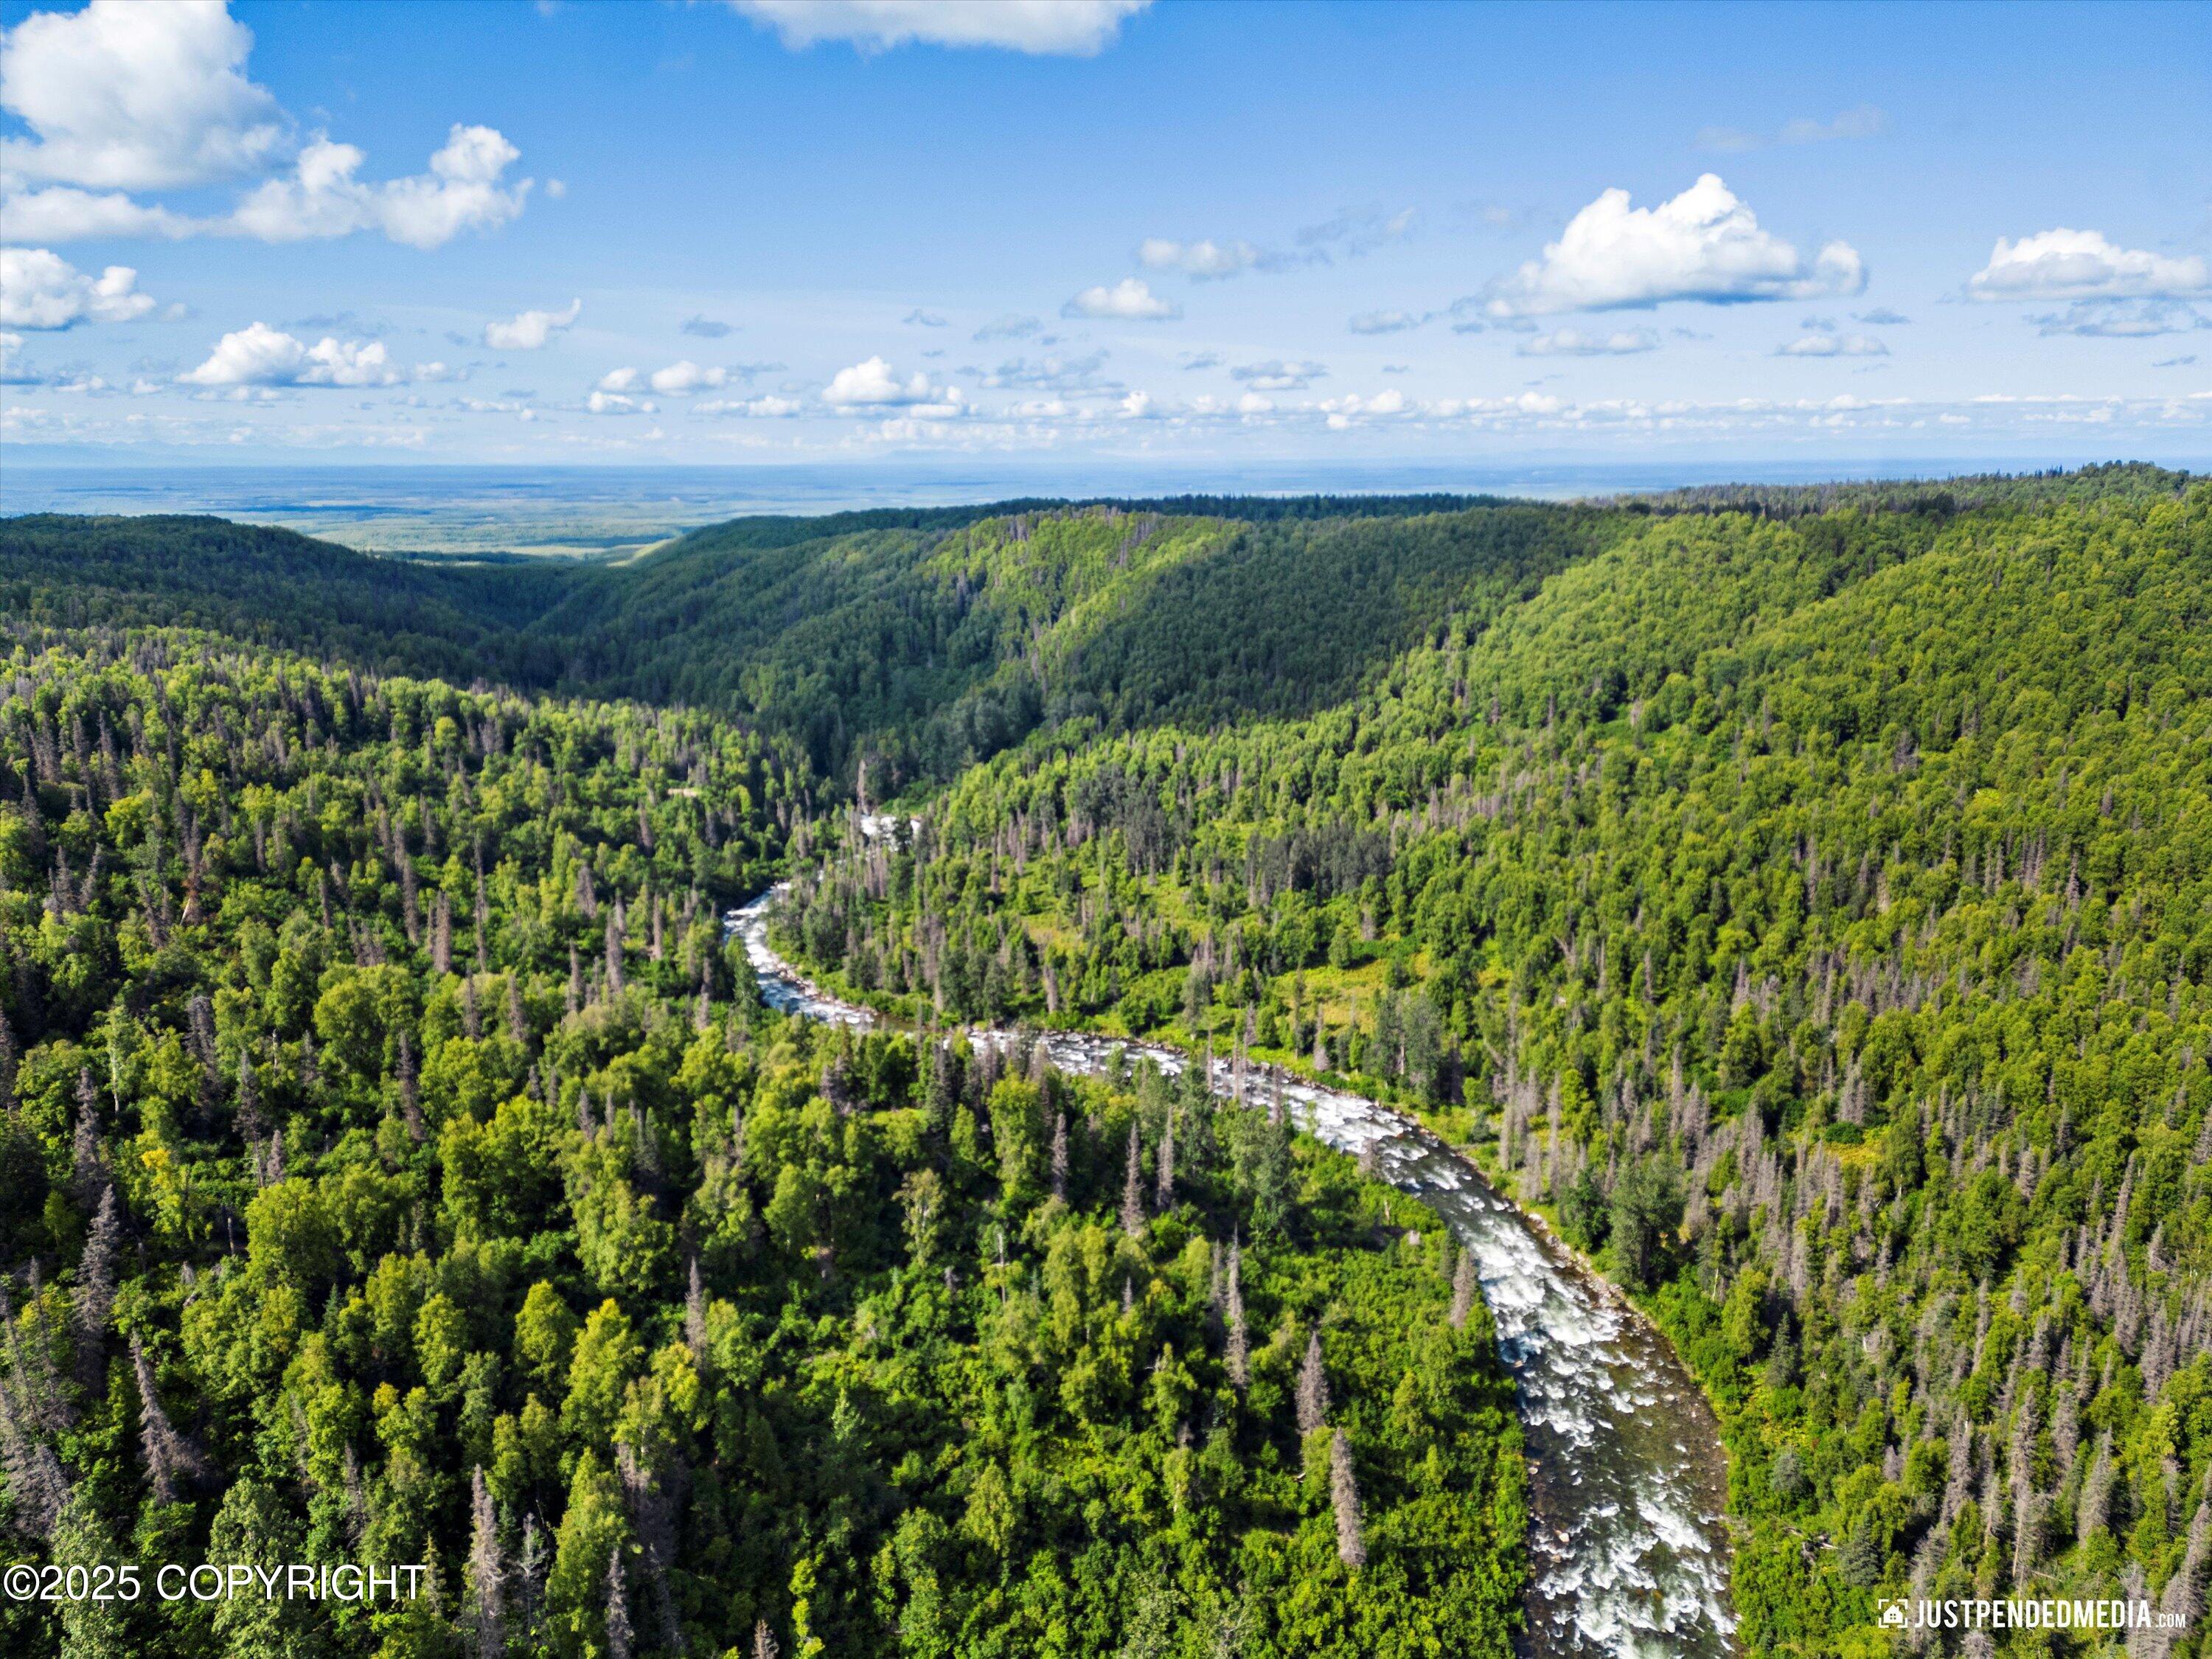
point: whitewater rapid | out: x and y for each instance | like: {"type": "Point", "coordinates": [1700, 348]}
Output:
{"type": "Point", "coordinates": [1628, 1552]}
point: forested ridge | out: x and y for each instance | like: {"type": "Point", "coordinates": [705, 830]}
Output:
{"type": "Point", "coordinates": [399, 1169]}
{"type": "Point", "coordinates": [908, 643]}
{"type": "Point", "coordinates": [1803, 897]}
{"type": "Point", "coordinates": [1811, 911]}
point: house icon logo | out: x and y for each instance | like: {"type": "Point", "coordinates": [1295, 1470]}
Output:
{"type": "Point", "coordinates": [1892, 1615]}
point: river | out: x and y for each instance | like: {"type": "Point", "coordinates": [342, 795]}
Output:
{"type": "Point", "coordinates": [1628, 1551]}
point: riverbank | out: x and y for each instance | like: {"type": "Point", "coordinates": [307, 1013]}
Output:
{"type": "Point", "coordinates": [1629, 1549]}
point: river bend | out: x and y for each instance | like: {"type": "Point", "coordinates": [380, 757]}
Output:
{"type": "Point", "coordinates": [1628, 1552]}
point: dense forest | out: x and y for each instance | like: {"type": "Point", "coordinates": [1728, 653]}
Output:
{"type": "Point", "coordinates": [1811, 911]}
{"type": "Point", "coordinates": [399, 1169]}
{"type": "Point", "coordinates": [905, 644]}
{"type": "Point", "coordinates": [1802, 897]}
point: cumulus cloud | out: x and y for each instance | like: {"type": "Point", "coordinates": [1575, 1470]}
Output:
{"type": "Point", "coordinates": [1705, 245]}
{"type": "Point", "coordinates": [40, 289]}
{"type": "Point", "coordinates": [1824, 342]}
{"type": "Point", "coordinates": [259, 356]}
{"type": "Point", "coordinates": [768, 406]}
{"type": "Point", "coordinates": [1387, 322]}
{"type": "Point", "coordinates": [681, 379]}
{"type": "Point", "coordinates": [1341, 412]}
{"type": "Point", "coordinates": [531, 330]}
{"type": "Point", "coordinates": [2081, 264]}
{"type": "Point", "coordinates": [705, 328]}
{"type": "Point", "coordinates": [618, 380]}
{"type": "Point", "coordinates": [462, 190]}
{"type": "Point", "coordinates": [1573, 342]}
{"type": "Point", "coordinates": [63, 213]}
{"type": "Point", "coordinates": [874, 385]}
{"type": "Point", "coordinates": [603, 402]}
{"type": "Point", "coordinates": [1278, 375]}
{"type": "Point", "coordinates": [1129, 299]}
{"type": "Point", "coordinates": [2123, 319]}
{"type": "Point", "coordinates": [1064, 28]}
{"type": "Point", "coordinates": [1204, 260]}
{"type": "Point", "coordinates": [126, 96]}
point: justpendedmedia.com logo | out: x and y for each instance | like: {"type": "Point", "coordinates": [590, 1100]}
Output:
{"type": "Point", "coordinates": [2049, 1614]}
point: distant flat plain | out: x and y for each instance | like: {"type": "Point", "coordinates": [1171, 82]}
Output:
{"type": "Point", "coordinates": [612, 513]}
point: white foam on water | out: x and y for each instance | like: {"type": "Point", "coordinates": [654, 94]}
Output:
{"type": "Point", "coordinates": [1625, 1560]}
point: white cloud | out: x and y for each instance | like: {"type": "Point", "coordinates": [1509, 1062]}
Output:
{"type": "Point", "coordinates": [618, 380]}
{"type": "Point", "coordinates": [1387, 322]}
{"type": "Point", "coordinates": [1822, 343]}
{"type": "Point", "coordinates": [529, 331]}
{"type": "Point", "coordinates": [1705, 245]}
{"type": "Point", "coordinates": [127, 96]}
{"type": "Point", "coordinates": [681, 379]}
{"type": "Point", "coordinates": [1341, 412]}
{"type": "Point", "coordinates": [462, 191]}
{"type": "Point", "coordinates": [874, 385]}
{"type": "Point", "coordinates": [1077, 27]}
{"type": "Point", "coordinates": [768, 406]}
{"type": "Point", "coordinates": [2123, 319]}
{"type": "Point", "coordinates": [38, 288]}
{"type": "Point", "coordinates": [259, 356]}
{"type": "Point", "coordinates": [1201, 260]}
{"type": "Point", "coordinates": [2081, 264]}
{"type": "Point", "coordinates": [1137, 406]}
{"type": "Point", "coordinates": [1129, 299]}
{"type": "Point", "coordinates": [1253, 404]}
{"type": "Point", "coordinates": [609, 403]}
{"type": "Point", "coordinates": [66, 214]}
{"type": "Point", "coordinates": [1573, 342]}
{"type": "Point", "coordinates": [1278, 375]}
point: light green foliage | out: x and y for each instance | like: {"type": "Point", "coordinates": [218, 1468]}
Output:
{"type": "Point", "coordinates": [1816, 905]}
{"type": "Point", "coordinates": [446, 1137]}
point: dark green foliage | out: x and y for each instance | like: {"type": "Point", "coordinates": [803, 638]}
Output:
{"type": "Point", "coordinates": [1817, 911]}
{"type": "Point", "coordinates": [911, 642]}
{"type": "Point", "coordinates": [274, 586]}
{"type": "Point", "coordinates": [399, 1170]}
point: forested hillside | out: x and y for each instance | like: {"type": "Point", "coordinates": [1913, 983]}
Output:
{"type": "Point", "coordinates": [399, 1170]}
{"type": "Point", "coordinates": [1813, 910]}
{"type": "Point", "coordinates": [1804, 896]}
{"type": "Point", "coordinates": [911, 644]}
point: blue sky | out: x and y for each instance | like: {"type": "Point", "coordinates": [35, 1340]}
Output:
{"type": "Point", "coordinates": [1215, 234]}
